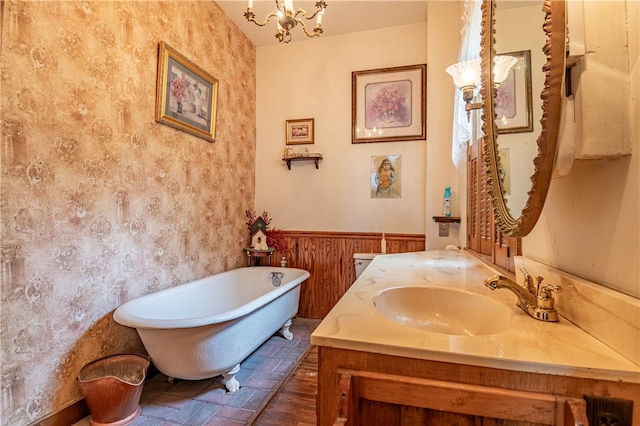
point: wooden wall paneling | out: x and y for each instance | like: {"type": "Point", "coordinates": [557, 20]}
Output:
{"type": "Point", "coordinates": [305, 259]}
{"type": "Point", "coordinates": [327, 284]}
{"type": "Point", "coordinates": [328, 256]}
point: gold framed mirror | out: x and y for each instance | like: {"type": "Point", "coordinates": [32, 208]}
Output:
{"type": "Point", "coordinates": [518, 184]}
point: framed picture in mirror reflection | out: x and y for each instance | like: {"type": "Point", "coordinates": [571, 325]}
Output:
{"type": "Point", "coordinates": [514, 112]}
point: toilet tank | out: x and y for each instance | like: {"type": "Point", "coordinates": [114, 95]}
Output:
{"type": "Point", "coordinates": [361, 261]}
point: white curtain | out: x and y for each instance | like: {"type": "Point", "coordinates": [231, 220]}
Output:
{"type": "Point", "coordinates": [469, 49]}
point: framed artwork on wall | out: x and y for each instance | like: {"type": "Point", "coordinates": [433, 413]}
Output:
{"type": "Point", "coordinates": [389, 104]}
{"type": "Point", "coordinates": [186, 95]}
{"type": "Point", "coordinates": [386, 173]}
{"type": "Point", "coordinates": [300, 131]}
{"type": "Point", "coordinates": [514, 112]}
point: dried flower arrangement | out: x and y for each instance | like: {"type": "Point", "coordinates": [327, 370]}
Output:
{"type": "Point", "coordinates": [275, 236]}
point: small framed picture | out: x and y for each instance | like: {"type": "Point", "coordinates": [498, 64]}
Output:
{"type": "Point", "coordinates": [300, 131]}
{"type": "Point", "coordinates": [386, 171]}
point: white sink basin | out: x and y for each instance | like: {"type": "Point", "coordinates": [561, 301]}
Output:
{"type": "Point", "coordinates": [443, 310]}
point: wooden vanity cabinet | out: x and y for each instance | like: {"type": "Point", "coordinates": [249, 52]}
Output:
{"type": "Point", "coordinates": [362, 388]}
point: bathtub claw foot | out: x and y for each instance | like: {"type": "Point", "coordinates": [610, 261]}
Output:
{"type": "Point", "coordinates": [286, 333]}
{"type": "Point", "coordinates": [230, 381]}
{"type": "Point", "coordinates": [170, 379]}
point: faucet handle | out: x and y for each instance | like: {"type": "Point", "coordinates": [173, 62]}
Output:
{"type": "Point", "coordinates": [528, 282]}
{"type": "Point", "coordinates": [545, 291]}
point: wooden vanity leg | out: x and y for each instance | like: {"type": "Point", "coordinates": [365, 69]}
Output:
{"type": "Point", "coordinates": [344, 389]}
{"type": "Point", "coordinates": [575, 412]}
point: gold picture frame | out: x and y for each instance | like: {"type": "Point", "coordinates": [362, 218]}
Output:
{"type": "Point", "coordinates": [300, 131]}
{"type": "Point", "coordinates": [186, 95]}
{"type": "Point", "coordinates": [389, 104]}
{"type": "Point", "coordinates": [514, 110]}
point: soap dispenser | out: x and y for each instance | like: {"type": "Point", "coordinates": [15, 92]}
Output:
{"type": "Point", "coordinates": [446, 202]}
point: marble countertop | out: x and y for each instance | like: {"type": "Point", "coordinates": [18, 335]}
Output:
{"type": "Point", "coordinates": [529, 345]}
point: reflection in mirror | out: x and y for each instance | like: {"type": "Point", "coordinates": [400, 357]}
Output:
{"type": "Point", "coordinates": [518, 33]}
{"type": "Point", "coordinates": [525, 108]}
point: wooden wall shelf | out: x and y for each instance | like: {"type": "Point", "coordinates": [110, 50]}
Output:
{"type": "Point", "coordinates": [446, 219]}
{"type": "Point", "coordinates": [314, 157]}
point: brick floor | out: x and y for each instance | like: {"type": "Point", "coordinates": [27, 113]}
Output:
{"type": "Point", "coordinates": [207, 402]}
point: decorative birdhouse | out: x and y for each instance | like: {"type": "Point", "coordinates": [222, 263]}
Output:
{"type": "Point", "coordinates": [259, 234]}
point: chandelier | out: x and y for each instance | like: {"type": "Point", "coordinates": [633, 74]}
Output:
{"type": "Point", "coordinates": [287, 18]}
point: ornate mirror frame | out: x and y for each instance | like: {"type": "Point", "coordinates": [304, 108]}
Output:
{"type": "Point", "coordinates": [551, 95]}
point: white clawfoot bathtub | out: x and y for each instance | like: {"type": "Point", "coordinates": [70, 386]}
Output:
{"type": "Point", "coordinates": [205, 328]}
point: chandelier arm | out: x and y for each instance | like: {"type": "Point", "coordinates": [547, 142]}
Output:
{"type": "Point", "coordinates": [252, 17]}
{"type": "Point", "coordinates": [320, 7]}
{"type": "Point", "coordinates": [317, 30]}
{"type": "Point", "coordinates": [305, 14]}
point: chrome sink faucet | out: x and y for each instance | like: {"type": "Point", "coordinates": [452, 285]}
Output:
{"type": "Point", "coordinates": [536, 300]}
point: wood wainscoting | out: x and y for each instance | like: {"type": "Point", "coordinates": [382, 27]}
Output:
{"type": "Point", "coordinates": [328, 256]}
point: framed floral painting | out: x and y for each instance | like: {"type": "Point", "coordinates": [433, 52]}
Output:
{"type": "Point", "coordinates": [186, 95]}
{"type": "Point", "coordinates": [514, 112]}
{"type": "Point", "coordinates": [389, 104]}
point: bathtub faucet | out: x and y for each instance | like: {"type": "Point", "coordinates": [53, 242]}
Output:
{"type": "Point", "coordinates": [276, 278]}
{"type": "Point", "coordinates": [535, 301]}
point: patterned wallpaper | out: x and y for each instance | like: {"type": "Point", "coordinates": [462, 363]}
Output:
{"type": "Point", "coordinates": [101, 204]}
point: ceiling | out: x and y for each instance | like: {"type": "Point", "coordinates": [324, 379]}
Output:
{"type": "Point", "coordinates": [341, 17]}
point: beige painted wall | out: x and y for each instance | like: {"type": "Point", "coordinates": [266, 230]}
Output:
{"type": "Point", "coordinates": [444, 26]}
{"type": "Point", "coordinates": [313, 79]}
{"type": "Point", "coordinates": [590, 225]}
{"type": "Point", "coordinates": [101, 204]}
{"type": "Point", "coordinates": [317, 84]}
